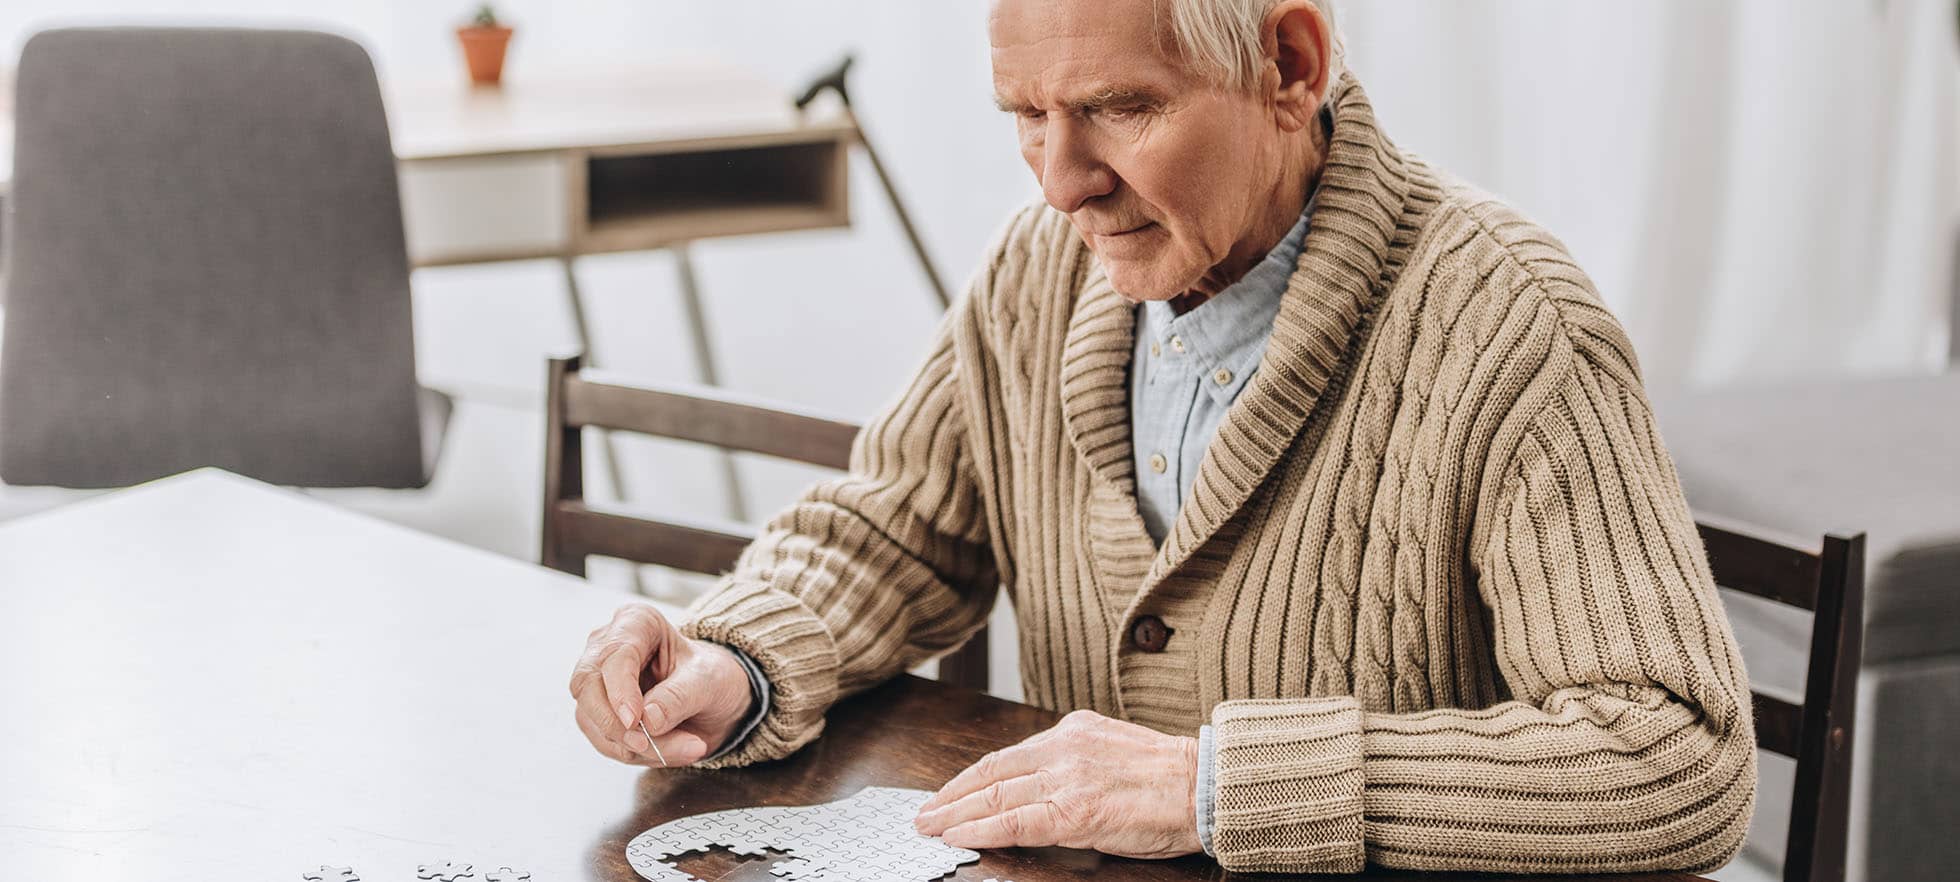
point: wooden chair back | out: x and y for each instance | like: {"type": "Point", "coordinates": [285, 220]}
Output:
{"type": "Point", "coordinates": [573, 530]}
{"type": "Point", "coordinates": [1830, 584]}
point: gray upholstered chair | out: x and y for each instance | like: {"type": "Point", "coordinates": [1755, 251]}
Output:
{"type": "Point", "coordinates": [1883, 456]}
{"type": "Point", "coordinates": [206, 265]}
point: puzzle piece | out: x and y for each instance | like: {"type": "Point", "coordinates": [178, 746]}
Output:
{"type": "Point", "coordinates": [865, 838]}
{"type": "Point", "coordinates": [506, 874]}
{"type": "Point", "coordinates": [448, 872]}
{"type": "Point", "coordinates": [793, 868]}
{"type": "Point", "coordinates": [331, 874]}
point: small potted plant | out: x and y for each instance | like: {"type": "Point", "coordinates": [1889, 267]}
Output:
{"type": "Point", "coordinates": [484, 40]}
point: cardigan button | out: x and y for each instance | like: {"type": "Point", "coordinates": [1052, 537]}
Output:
{"type": "Point", "coordinates": [1150, 634]}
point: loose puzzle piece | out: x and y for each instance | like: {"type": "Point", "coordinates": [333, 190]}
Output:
{"type": "Point", "coordinates": [506, 874]}
{"type": "Point", "coordinates": [866, 838]}
{"type": "Point", "coordinates": [448, 872]}
{"type": "Point", "coordinates": [331, 874]}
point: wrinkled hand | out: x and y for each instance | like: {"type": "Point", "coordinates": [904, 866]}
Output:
{"type": "Point", "coordinates": [691, 693]}
{"type": "Point", "coordinates": [1089, 782]}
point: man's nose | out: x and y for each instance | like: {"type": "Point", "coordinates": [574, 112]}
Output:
{"type": "Point", "coordinates": [1071, 172]}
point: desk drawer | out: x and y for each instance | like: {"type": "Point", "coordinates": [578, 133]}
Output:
{"type": "Point", "coordinates": [485, 208]}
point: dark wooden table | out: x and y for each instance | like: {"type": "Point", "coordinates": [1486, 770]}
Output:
{"type": "Point", "coordinates": [211, 679]}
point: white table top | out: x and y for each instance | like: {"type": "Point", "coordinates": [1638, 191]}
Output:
{"type": "Point", "coordinates": [553, 111]}
{"type": "Point", "coordinates": [545, 111]}
{"type": "Point", "coordinates": [210, 678]}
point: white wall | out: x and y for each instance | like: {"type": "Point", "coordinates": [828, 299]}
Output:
{"type": "Point", "coordinates": [1760, 187]}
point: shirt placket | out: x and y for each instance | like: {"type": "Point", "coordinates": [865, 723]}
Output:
{"type": "Point", "coordinates": [1180, 358]}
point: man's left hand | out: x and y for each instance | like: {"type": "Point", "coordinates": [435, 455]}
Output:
{"type": "Point", "coordinates": [1089, 782]}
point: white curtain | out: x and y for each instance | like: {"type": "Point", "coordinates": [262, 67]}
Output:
{"type": "Point", "coordinates": [1760, 188]}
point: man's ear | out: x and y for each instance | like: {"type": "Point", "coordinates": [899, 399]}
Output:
{"type": "Point", "coordinates": [1299, 48]}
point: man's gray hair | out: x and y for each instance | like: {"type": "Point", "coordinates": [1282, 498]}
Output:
{"type": "Point", "coordinates": [1223, 35]}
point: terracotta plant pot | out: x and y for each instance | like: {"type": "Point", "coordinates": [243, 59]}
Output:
{"type": "Point", "coordinates": [483, 48]}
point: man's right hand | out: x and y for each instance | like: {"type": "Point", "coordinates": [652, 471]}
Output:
{"type": "Point", "coordinates": [691, 693]}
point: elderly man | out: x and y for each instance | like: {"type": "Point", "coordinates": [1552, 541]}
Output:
{"type": "Point", "coordinates": [1324, 487]}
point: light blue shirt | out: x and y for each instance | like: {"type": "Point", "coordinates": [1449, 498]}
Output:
{"type": "Point", "coordinates": [1185, 373]}
{"type": "Point", "coordinates": [1187, 370]}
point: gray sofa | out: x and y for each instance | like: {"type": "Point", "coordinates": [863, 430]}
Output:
{"type": "Point", "coordinates": [1879, 455]}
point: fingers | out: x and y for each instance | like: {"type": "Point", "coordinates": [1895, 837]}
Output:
{"type": "Point", "coordinates": [1011, 762]}
{"type": "Point", "coordinates": [605, 683]}
{"type": "Point", "coordinates": [619, 675]}
{"type": "Point", "coordinates": [680, 749]}
{"type": "Point", "coordinates": [629, 644]}
{"type": "Point", "coordinates": [596, 718]}
{"type": "Point", "coordinates": [672, 701]}
{"type": "Point", "coordinates": [1033, 826]}
{"type": "Point", "coordinates": [996, 798]}
{"type": "Point", "coordinates": [604, 743]}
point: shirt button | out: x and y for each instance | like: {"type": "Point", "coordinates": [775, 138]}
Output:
{"type": "Point", "coordinates": [1158, 463]}
{"type": "Point", "coordinates": [1177, 344]}
{"type": "Point", "coordinates": [1156, 350]}
{"type": "Point", "coordinates": [1150, 634]}
{"type": "Point", "coordinates": [1223, 376]}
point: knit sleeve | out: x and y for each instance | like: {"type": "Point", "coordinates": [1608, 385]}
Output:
{"type": "Point", "coordinates": [1626, 744]}
{"type": "Point", "coordinates": [883, 568]}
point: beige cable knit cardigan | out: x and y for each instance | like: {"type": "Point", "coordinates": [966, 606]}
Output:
{"type": "Point", "coordinates": [1435, 587]}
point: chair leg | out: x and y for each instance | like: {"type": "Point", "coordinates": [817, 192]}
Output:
{"type": "Point", "coordinates": [704, 369]}
{"type": "Point", "coordinates": [608, 453]}
{"type": "Point", "coordinates": [967, 665]}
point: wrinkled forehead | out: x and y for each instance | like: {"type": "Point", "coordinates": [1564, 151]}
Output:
{"type": "Point", "coordinates": [1063, 51]}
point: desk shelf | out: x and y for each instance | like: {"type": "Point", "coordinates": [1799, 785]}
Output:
{"type": "Point", "coordinates": [625, 198]}
{"type": "Point", "coordinates": [635, 198]}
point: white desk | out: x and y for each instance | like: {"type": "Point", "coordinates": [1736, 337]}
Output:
{"type": "Point", "coordinates": [208, 678]}
{"type": "Point", "coordinates": [561, 166]}
{"type": "Point", "coordinates": [558, 165]}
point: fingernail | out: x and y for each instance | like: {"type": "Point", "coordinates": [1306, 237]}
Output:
{"type": "Point", "coordinates": [637, 743]}
{"type": "Point", "coordinates": [626, 715]}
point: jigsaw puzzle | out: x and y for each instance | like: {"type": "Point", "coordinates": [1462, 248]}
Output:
{"type": "Point", "coordinates": [331, 874]}
{"type": "Point", "coordinates": [448, 872]}
{"type": "Point", "coordinates": [866, 838]}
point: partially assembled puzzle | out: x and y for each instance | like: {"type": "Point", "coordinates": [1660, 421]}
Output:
{"type": "Point", "coordinates": [866, 838]}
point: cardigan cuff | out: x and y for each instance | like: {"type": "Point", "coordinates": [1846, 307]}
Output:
{"type": "Point", "coordinates": [795, 653]}
{"type": "Point", "coordinates": [1288, 779]}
